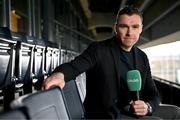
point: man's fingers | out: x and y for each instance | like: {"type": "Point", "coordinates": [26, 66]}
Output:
{"type": "Point", "coordinates": [46, 85]}
{"type": "Point", "coordinates": [56, 79]}
{"type": "Point", "coordinates": [140, 108]}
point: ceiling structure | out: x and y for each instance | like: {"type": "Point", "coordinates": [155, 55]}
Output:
{"type": "Point", "coordinates": [161, 17]}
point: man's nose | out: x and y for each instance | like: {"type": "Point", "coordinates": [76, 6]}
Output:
{"type": "Point", "coordinates": [129, 31]}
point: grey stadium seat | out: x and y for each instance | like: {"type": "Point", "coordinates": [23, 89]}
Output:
{"type": "Point", "coordinates": [44, 105]}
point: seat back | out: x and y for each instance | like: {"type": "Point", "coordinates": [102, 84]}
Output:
{"type": "Point", "coordinates": [73, 100]}
{"type": "Point", "coordinates": [27, 63]}
{"type": "Point", "coordinates": [168, 112]}
{"type": "Point", "coordinates": [48, 60]}
{"type": "Point", "coordinates": [15, 114]}
{"type": "Point", "coordinates": [38, 64]}
{"type": "Point", "coordinates": [7, 58]}
{"type": "Point", "coordinates": [52, 57]}
{"type": "Point", "coordinates": [81, 84]}
{"type": "Point", "coordinates": [49, 105]}
{"type": "Point", "coordinates": [56, 57]}
{"type": "Point", "coordinates": [24, 61]}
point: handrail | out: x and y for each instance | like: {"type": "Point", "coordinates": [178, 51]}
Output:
{"type": "Point", "coordinates": [174, 84]}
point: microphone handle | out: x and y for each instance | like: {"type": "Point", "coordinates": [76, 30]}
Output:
{"type": "Point", "coordinates": [137, 94]}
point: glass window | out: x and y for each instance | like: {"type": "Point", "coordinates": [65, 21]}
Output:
{"type": "Point", "coordinates": [165, 61]}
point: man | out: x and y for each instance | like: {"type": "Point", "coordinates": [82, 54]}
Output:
{"type": "Point", "coordinates": [106, 64]}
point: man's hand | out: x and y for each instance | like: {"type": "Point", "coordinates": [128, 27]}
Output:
{"type": "Point", "coordinates": [56, 79]}
{"type": "Point", "coordinates": [139, 108]}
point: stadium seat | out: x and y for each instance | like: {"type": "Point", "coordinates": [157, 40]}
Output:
{"type": "Point", "coordinates": [15, 114]}
{"type": "Point", "coordinates": [56, 57]}
{"type": "Point", "coordinates": [7, 58]}
{"type": "Point", "coordinates": [24, 62]}
{"type": "Point", "coordinates": [41, 105]}
{"type": "Point", "coordinates": [167, 112]}
{"type": "Point", "coordinates": [48, 59]}
{"type": "Point", "coordinates": [52, 57]}
{"type": "Point", "coordinates": [73, 100]}
{"type": "Point", "coordinates": [38, 64]}
{"type": "Point", "coordinates": [81, 84]}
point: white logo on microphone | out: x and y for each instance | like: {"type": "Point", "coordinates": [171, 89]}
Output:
{"type": "Point", "coordinates": [133, 80]}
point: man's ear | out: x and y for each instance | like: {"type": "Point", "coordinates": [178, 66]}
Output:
{"type": "Point", "coordinates": [141, 29]}
{"type": "Point", "coordinates": [114, 28]}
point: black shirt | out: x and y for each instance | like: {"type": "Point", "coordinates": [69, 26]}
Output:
{"type": "Point", "coordinates": [127, 61]}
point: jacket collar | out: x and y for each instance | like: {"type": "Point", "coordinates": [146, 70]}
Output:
{"type": "Point", "coordinates": [114, 47]}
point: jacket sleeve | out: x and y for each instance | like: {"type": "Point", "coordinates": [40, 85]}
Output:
{"type": "Point", "coordinates": [80, 64]}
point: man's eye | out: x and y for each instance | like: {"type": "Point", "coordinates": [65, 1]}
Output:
{"type": "Point", "coordinates": [123, 26]}
{"type": "Point", "coordinates": [135, 26]}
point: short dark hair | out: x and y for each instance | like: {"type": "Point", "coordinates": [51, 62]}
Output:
{"type": "Point", "coordinates": [129, 10]}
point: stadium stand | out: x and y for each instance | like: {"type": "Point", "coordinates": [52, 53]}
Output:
{"type": "Point", "coordinates": [25, 62]}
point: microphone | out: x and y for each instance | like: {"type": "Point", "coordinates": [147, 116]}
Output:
{"type": "Point", "coordinates": [134, 81]}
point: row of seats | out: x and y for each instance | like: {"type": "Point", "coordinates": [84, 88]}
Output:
{"type": "Point", "coordinates": [25, 62]}
{"type": "Point", "coordinates": [63, 104]}
{"type": "Point", "coordinates": [52, 104]}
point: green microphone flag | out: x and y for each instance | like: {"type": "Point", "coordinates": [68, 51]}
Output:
{"type": "Point", "coordinates": [134, 81]}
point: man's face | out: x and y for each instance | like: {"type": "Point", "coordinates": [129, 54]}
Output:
{"type": "Point", "coordinates": [128, 29]}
